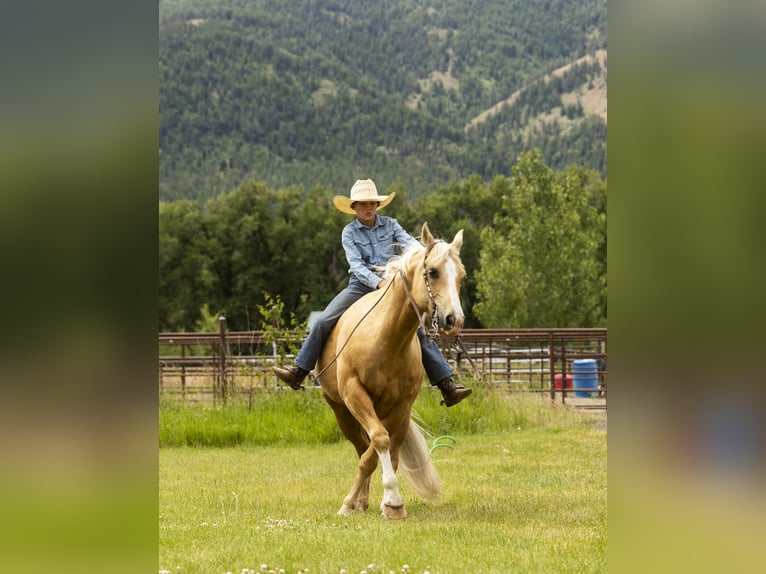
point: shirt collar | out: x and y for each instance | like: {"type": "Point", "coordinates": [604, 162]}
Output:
{"type": "Point", "coordinates": [359, 225]}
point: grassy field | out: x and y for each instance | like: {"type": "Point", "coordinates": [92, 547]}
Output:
{"type": "Point", "coordinates": [526, 492]}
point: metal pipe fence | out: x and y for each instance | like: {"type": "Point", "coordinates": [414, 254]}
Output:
{"type": "Point", "coordinates": [220, 366]}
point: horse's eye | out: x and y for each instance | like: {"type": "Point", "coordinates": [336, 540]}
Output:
{"type": "Point", "coordinates": [433, 273]}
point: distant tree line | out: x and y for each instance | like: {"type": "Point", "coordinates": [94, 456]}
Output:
{"type": "Point", "coordinates": [301, 92]}
{"type": "Point", "coordinates": [534, 248]}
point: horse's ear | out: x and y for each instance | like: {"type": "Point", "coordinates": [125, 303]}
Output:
{"type": "Point", "coordinates": [425, 235]}
{"type": "Point", "coordinates": [457, 243]}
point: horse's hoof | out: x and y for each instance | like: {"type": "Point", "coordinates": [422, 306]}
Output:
{"type": "Point", "coordinates": [393, 512]}
{"type": "Point", "coordinates": [344, 511]}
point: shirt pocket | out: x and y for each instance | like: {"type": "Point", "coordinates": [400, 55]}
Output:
{"type": "Point", "coordinates": [386, 243]}
{"type": "Point", "coordinates": [364, 245]}
{"type": "Point", "coordinates": [385, 235]}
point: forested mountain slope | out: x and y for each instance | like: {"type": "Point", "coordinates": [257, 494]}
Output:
{"type": "Point", "coordinates": [321, 92]}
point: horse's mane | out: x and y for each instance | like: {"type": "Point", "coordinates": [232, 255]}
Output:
{"type": "Point", "coordinates": [402, 261]}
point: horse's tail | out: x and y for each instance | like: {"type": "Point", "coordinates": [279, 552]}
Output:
{"type": "Point", "coordinates": [416, 466]}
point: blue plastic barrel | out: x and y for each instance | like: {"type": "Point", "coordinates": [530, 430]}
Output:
{"type": "Point", "coordinates": [585, 376]}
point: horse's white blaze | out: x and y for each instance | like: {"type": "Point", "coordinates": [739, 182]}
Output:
{"type": "Point", "coordinates": [391, 496]}
{"type": "Point", "coordinates": [454, 296]}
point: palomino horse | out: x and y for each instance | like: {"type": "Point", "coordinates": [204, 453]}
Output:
{"type": "Point", "coordinates": [370, 369]}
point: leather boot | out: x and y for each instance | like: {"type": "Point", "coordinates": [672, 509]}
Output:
{"type": "Point", "coordinates": [292, 375]}
{"type": "Point", "coordinates": [452, 392]}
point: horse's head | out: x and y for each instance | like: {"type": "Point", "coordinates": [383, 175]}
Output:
{"type": "Point", "coordinates": [443, 274]}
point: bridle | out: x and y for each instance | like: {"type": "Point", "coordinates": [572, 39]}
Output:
{"type": "Point", "coordinates": [433, 331]}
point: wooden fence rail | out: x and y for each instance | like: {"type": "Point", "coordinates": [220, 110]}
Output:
{"type": "Point", "coordinates": [217, 365]}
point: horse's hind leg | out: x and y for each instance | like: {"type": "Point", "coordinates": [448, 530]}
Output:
{"type": "Point", "coordinates": [358, 496]}
{"type": "Point", "coordinates": [363, 501]}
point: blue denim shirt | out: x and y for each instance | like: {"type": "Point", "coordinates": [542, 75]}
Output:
{"type": "Point", "coordinates": [367, 248]}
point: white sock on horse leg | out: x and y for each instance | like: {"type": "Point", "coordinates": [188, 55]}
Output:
{"type": "Point", "coordinates": [391, 495]}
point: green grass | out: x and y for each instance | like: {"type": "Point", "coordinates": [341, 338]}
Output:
{"type": "Point", "coordinates": [524, 490]}
{"type": "Point", "coordinates": [282, 417]}
{"type": "Point", "coordinates": [289, 417]}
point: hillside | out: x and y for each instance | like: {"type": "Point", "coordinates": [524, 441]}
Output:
{"type": "Point", "coordinates": [592, 97]}
{"type": "Point", "coordinates": [321, 92]}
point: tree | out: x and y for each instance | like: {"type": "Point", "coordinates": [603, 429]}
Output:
{"type": "Point", "coordinates": [320, 259]}
{"type": "Point", "coordinates": [251, 243]}
{"type": "Point", "coordinates": [470, 206]}
{"type": "Point", "coordinates": [539, 262]}
{"type": "Point", "coordinates": [184, 279]}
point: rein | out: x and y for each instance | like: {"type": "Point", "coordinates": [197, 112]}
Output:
{"type": "Point", "coordinates": [433, 332]}
{"type": "Point", "coordinates": [434, 319]}
{"type": "Point", "coordinates": [335, 358]}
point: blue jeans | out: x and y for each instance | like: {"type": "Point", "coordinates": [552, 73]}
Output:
{"type": "Point", "coordinates": [436, 366]}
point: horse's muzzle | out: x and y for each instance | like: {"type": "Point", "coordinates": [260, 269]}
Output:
{"type": "Point", "coordinates": [452, 324]}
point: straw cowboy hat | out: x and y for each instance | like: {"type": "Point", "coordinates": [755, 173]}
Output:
{"type": "Point", "coordinates": [363, 190]}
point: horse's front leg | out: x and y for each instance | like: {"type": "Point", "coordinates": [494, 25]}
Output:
{"type": "Point", "coordinates": [392, 505]}
{"type": "Point", "coordinates": [360, 405]}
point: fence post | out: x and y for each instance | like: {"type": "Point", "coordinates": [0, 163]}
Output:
{"type": "Point", "coordinates": [551, 366]}
{"type": "Point", "coordinates": [564, 372]}
{"type": "Point", "coordinates": [183, 371]}
{"type": "Point", "coordinates": [222, 355]}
